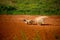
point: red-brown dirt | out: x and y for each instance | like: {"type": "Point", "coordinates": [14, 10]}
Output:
{"type": "Point", "coordinates": [13, 28]}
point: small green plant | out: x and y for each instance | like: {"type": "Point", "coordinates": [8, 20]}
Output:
{"type": "Point", "coordinates": [57, 37]}
{"type": "Point", "coordinates": [37, 36]}
{"type": "Point", "coordinates": [23, 35]}
{"type": "Point", "coordinates": [15, 37]}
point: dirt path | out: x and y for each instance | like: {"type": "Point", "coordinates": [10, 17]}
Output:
{"type": "Point", "coordinates": [13, 28]}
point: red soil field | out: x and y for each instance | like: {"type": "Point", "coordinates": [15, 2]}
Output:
{"type": "Point", "coordinates": [13, 28]}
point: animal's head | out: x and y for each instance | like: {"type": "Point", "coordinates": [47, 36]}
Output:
{"type": "Point", "coordinates": [25, 20]}
{"type": "Point", "coordinates": [28, 21]}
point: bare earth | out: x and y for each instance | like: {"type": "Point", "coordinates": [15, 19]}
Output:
{"type": "Point", "coordinates": [13, 28]}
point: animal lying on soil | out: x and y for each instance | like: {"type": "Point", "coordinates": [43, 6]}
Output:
{"type": "Point", "coordinates": [38, 20]}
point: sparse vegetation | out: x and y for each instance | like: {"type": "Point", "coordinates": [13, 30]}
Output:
{"type": "Point", "coordinates": [37, 36]}
{"type": "Point", "coordinates": [15, 38]}
{"type": "Point", "coordinates": [23, 35]}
